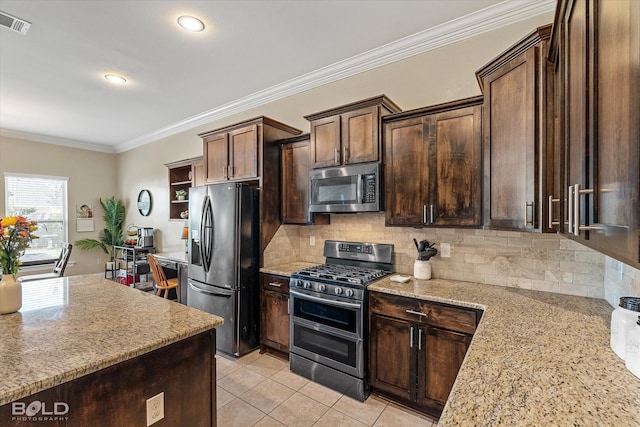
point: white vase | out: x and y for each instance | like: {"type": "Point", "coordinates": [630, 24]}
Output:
{"type": "Point", "coordinates": [10, 294]}
{"type": "Point", "coordinates": [422, 270]}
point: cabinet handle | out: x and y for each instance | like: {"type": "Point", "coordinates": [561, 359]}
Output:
{"type": "Point", "coordinates": [419, 339]}
{"type": "Point", "coordinates": [526, 211]}
{"type": "Point", "coordinates": [224, 172]}
{"type": "Point", "coordinates": [577, 228]}
{"type": "Point", "coordinates": [229, 171]}
{"type": "Point", "coordinates": [337, 156]}
{"type": "Point", "coordinates": [551, 221]}
{"type": "Point", "coordinates": [424, 214]}
{"type": "Point", "coordinates": [431, 213]}
{"type": "Point", "coordinates": [419, 313]}
{"type": "Point", "coordinates": [570, 209]}
{"type": "Point", "coordinates": [345, 154]}
{"type": "Point", "coordinates": [277, 285]}
{"type": "Point", "coordinates": [411, 337]}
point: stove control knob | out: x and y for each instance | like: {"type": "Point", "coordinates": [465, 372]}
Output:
{"type": "Point", "coordinates": [338, 291]}
{"type": "Point", "coordinates": [306, 285]}
{"type": "Point", "coordinates": [322, 287]}
{"type": "Point", "coordinates": [349, 292]}
{"type": "Point", "coordinates": [299, 283]}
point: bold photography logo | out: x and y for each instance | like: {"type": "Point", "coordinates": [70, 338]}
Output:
{"type": "Point", "coordinates": [39, 411]}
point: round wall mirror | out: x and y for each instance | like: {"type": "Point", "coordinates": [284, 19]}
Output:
{"type": "Point", "coordinates": [144, 202]}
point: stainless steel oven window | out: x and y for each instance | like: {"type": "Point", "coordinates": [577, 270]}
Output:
{"type": "Point", "coordinates": [324, 313]}
{"type": "Point", "coordinates": [330, 346]}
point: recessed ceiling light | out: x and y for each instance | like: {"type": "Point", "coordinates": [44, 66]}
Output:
{"type": "Point", "coordinates": [191, 23]}
{"type": "Point", "coordinates": [114, 78]}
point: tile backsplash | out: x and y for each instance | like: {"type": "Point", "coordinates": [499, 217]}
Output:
{"type": "Point", "coordinates": [545, 262]}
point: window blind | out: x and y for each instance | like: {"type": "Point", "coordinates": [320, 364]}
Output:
{"type": "Point", "coordinates": [43, 199]}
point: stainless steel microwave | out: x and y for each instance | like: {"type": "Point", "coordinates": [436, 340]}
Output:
{"type": "Point", "coordinates": [351, 188]}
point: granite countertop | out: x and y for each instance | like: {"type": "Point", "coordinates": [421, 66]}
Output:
{"type": "Point", "coordinates": [73, 326]}
{"type": "Point", "coordinates": [537, 358]}
{"type": "Point", "coordinates": [286, 269]}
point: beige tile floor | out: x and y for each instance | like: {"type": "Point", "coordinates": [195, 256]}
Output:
{"type": "Point", "coordinates": [259, 390]}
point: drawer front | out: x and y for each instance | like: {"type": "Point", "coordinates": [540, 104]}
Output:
{"type": "Point", "coordinates": [424, 312]}
{"type": "Point", "coordinates": [272, 282]}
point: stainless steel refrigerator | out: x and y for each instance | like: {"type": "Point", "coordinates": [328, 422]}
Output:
{"type": "Point", "coordinates": [223, 262]}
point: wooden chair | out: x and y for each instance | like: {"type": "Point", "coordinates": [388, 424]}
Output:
{"type": "Point", "coordinates": [58, 269]}
{"type": "Point", "coordinates": [162, 283]}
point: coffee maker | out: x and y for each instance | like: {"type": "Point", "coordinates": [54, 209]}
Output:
{"type": "Point", "coordinates": [145, 237]}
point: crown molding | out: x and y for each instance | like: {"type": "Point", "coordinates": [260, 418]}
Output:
{"type": "Point", "coordinates": [45, 139]}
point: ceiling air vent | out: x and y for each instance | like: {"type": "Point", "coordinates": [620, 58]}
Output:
{"type": "Point", "coordinates": [16, 24]}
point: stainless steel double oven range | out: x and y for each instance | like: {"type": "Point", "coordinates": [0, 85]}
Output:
{"type": "Point", "coordinates": [328, 307]}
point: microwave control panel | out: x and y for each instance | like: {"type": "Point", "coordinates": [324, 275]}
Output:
{"type": "Point", "coordinates": [369, 188]}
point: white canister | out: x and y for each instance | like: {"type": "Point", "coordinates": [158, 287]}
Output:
{"type": "Point", "coordinates": [422, 270]}
{"type": "Point", "coordinates": [632, 355]}
{"type": "Point", "coordinates": [623, 318]}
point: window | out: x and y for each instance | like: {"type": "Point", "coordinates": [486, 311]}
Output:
{"type": "Point", "coordinates": [43, 199]}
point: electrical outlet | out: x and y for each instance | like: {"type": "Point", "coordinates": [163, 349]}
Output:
{"type": "Point", "coordinates": [312, 240]}
{"type": "Point", "coordinates": [155, 408]}
{"type": "Point", "coordinates": [445, 250]}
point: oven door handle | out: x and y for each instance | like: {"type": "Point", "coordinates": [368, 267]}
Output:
{"type": "Point", "coordinates": [325, 301]}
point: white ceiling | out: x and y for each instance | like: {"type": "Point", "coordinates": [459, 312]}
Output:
{"type": "Point", "coordinates": [52, 87]}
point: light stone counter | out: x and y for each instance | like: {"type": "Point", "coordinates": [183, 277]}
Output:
{"type": "Point", "coordinates": [77, 325]}
{"type": "Point", "coordinates": [537, 359]}
{"type": "Point", "coordinates": [286, 269]}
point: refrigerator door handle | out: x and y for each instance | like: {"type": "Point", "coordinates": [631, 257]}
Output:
{"type": "Point", "coordinates": [202, 291]}
{"type": "Point", "coordinates": [206, 230]}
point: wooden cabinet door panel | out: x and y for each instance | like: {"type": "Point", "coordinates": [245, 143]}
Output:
{"type": "Point", "coordinates": [360, 135]}
{"type": "Point", "coordinates": [217, 158]}
{"type": "Point", "coordinates": [406, 169]}
{"type": "Point", "coordinates": [275, 320]}
{"type": "Point", "coordinates": [198, 174]}
{"type": "Point", "coordinates": [325, 142]}
{"type": "Point", "coordinates": [391, 356]}
{"type": "Point", "coordinates": [576, 105]}
{"type": "Point", "coordinates": [455, 153]}
{"type": "Point", "coordinates": [441, 355]}
{"type": "Point", "coordinates": [510, 144]}
{"type": "Point", "coordinates": [295, 183]}
{"type": "Point", "coordinates": [243, 153]}
{"type": "Point", "coordinates": [616, 137]}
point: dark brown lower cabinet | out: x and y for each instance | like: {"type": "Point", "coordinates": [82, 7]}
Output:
{"type": "Point", "coordinates": [184, 371]}
{"type": "Point", "coordinates": [415, 354]}
{"type": "Point", "coordinates": [274, 321]}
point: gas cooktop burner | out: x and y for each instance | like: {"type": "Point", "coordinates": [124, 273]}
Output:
{"type": "Point", "coordinates": [342, 273]}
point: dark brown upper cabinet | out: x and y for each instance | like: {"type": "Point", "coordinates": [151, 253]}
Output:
{"type": "Point", "coordinates": [350, 133]}
{"type": "Point", "coordinates": [232, 155]}
{"type": "Point", "coordinates": [518, 135]}
{"type": "Point", "coordinates": [432, 165]}
{"type": "Point", "coordinates": [183, 175]}
{"type": "Point", "coordinates": [249, 152]}
{"type": "Point", "coordinates": [595, 48]}
{"type": "Point", "coordinates": [296, 164]}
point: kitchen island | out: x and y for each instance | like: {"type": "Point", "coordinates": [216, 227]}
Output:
{"type": "Point", "coordinates": [101, 349]}
{"type": "Point", "coordinates": [537, 358]}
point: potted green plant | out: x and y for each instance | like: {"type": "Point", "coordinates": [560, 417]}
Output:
{"type": "Point", "coordinates": [113, 233]}
{"type": "Point", "coordinates": [180, 194]}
